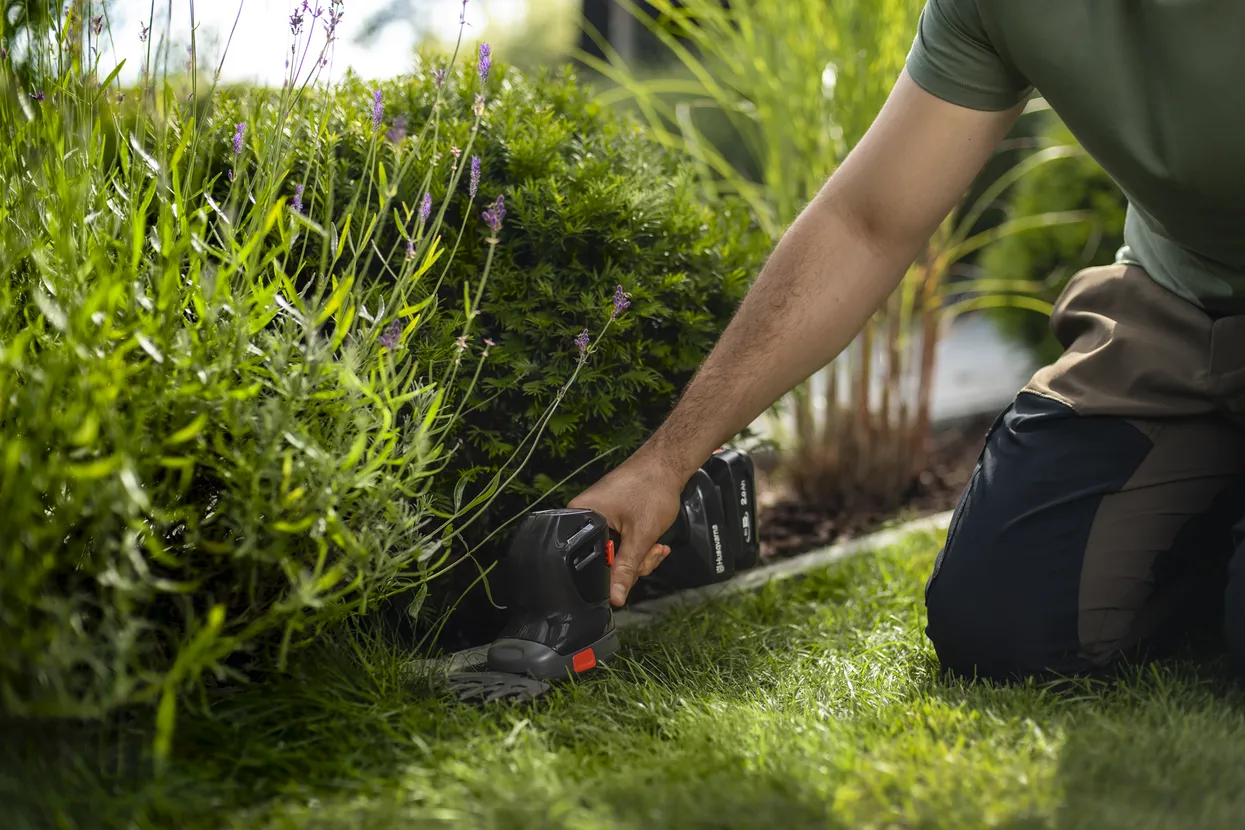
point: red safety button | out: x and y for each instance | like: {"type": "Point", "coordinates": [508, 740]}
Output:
{"type": "Point", "coordinates": [609, 552]}
{"type": "Point", "coordinates": [584, 660]}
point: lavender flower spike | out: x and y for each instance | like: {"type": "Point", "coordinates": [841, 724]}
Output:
{"type": "Point", "coordinates": [378, 109]}
{"type": "Point", "coordinates": [390, 338]}
{"type": "Point", "coordinates": [486, 62]}
{"type": "Point", "coordinates": [237, 139]}
{"type": "Point", "coordinates": [582, 343]}
{"type": "Point", "coordinates": [475, 176]}
{"type": "Point", "coordinates": [298, 199]}
{"type": "Point", "coordinates": [397, 132]}
{"type": "Point", "coordinates": [425, 207]}
{"type": "Point", "coordinates": [494, 216]}
{"type": "Point", "coordinates": [438, 75]}
{"type": "Point", "coordinates": [621, 303]}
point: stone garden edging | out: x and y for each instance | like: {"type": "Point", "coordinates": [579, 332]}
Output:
{"type": "Point", "coordinates": [646, 612]}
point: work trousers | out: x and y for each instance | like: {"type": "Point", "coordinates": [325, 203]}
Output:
{"type": "Point", "coordinates": [1104, 516]}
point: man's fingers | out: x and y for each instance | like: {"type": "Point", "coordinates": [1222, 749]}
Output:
{"type": "Point", "coordinates": [626, 572]}
{"type": "Point", "coordinates": [655, 556]}
{"type": "Point", "coordinates": [627, 568]}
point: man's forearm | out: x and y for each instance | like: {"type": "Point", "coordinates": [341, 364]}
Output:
{"type": "Point", "coordinates": [834, 267]}
{"type": "Point", "coordinates": [821, 284]}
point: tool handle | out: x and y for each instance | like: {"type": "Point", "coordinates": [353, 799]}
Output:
{"type": "Point", "coordinates": [673, 535]}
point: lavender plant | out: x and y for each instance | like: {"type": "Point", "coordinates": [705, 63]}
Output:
{"type": "Point", "coordinates": [217, 437]}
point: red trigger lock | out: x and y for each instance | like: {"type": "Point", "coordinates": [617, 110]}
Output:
{"type": "Point", "coordinates": [609, 552]}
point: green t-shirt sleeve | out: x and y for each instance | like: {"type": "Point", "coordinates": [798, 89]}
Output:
{"type": "Point", "coordinates": [952, 58]}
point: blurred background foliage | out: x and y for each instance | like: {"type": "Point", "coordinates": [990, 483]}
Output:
{"type": "Point", "coordinates": [565, 30]}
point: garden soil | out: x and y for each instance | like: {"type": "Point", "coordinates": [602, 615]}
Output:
{"type": "Point", "coordinates": [789, 527]}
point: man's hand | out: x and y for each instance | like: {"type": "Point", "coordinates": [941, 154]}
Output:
{"type": "Point", "coordinates": [834, 267]}
{"type": "Point", "coordinates": [640, 500]}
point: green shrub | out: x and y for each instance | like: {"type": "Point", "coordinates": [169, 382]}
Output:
{"type": "Point", "coordinates": [592, 203]}
{"type": "Point", "coordinates": [1075, 183]}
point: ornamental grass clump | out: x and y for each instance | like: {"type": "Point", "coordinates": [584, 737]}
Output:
{"type": "Point", "coordinates": [216, 437]}
{"type": "Point", "coordinates": [769, 97]}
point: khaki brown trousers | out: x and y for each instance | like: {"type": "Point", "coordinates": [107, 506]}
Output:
{"type": "Point", "coordinates": [1104, 515]}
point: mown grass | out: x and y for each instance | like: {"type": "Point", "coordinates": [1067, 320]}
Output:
{"type": "Point", "coordinates": [815, 703]}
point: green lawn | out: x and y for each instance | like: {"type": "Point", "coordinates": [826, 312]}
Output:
{"type": "Point", "coordinates": [815, 703]}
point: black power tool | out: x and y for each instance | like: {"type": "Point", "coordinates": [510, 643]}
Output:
{"type": "Point", "coordinates": [561, 622]}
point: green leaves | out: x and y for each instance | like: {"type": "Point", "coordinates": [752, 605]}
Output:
{"type": "Point", "coordinates": [197, 411]}
{"type": "Point", "coordinates": [200, 451]}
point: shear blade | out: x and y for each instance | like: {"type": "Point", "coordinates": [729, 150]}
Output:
{"type": "Point", "coordinates": [495, 686]}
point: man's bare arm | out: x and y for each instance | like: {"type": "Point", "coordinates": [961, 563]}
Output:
{"type": "Point", "coordinates": [840, 260]}
{"type": "Point", "coordinates": [834, 267]}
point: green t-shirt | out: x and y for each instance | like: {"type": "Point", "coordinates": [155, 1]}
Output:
{"type": "Point", "coordinates": [1155, 92]}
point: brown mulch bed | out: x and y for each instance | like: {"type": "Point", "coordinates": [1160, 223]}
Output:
{"type": "Point", "coordinates": [788, 526]}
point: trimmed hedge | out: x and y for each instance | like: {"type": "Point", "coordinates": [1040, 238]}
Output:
{"type": "Point", "coordinates": [592, 203]}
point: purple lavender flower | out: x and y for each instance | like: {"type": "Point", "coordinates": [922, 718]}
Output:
{"type": "Point", "coordinates": [143, 31]}
{"type": "Point", "coordinates": [486, 62]}
{"type": "Point", "coordinates": [410, 249]}
{"type": "Point", "coordinates": [331, 22]}
{"type": "Point", "coordinates": [97, 25]}
{"type": "Point", "coordinates": [621, 303]}
{"type": "Point", "coordinates": [462, 18]}
{"type": "Point", "coordinates": [237, 139]}
{"type": "Point", "coordinates": [425, 207]}
{"type": "Point", "coordinates": [475, 176]}
{"type": "Point", "coordinates": [582, 343]}
{"type": "Point", "coordinates": [37, 95]}
{"type": "Point", "coordinates": [4, 54]}
{"type": "Point", "coordinates": [461, 343]}
{"type": "Point", "coordinates": [296, 23]}
{"type": "Point", "coordinates": [298, 199]}
{"type": "Point", "coordinates": [478, 107]}
{"type": "Point", "coordinates": [397, 132]}
{"type": "Point", "coordinates": [494, 215]}
{"type": "Point", "coordinates": [231, 176]}
{"type": "Point", "coordinates": [438, 76]}
{"type": "Point", "coordinates": [378, 109]}
{"type": "Point", "coordinates": [390, 338]}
